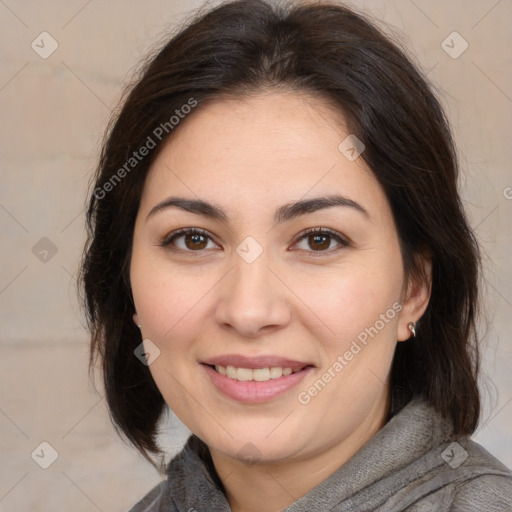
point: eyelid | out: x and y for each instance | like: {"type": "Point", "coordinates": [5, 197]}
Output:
{"type": "Point", "coordinates": [166, 242]}
{"type": "Point", "coordinates": [341, 239]}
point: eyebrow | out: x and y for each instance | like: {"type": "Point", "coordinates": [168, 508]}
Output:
{"type": "Point", "coordinates": [284, 213]}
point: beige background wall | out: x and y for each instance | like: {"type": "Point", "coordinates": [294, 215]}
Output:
{"type": "Point", "coordinates": [53, 112]}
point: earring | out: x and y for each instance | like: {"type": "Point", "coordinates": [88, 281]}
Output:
{"type": "Point", "coordinates": [139, 326]}
{"type": "Point", "coordinates": [412, 328]}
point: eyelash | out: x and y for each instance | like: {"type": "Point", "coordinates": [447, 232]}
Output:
{"type": "Point", "coordinates": [168, 240]}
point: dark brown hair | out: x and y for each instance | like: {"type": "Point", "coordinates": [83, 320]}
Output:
{"type": "Point", "coordinates": [331, 52]}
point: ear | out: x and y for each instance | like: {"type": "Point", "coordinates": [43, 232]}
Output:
{"type": "Point", "coordinates": [136, 320]}
{"type": "Point", "coordinates": [416, 296]}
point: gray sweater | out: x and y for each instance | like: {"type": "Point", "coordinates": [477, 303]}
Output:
{"type": "Point", "coordinates": [412, 464]}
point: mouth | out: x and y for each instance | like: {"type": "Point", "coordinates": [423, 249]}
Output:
{"type": "Point", "coordinates": [255, 374]}
{"type": "Point", "coordinates": [255, 380]}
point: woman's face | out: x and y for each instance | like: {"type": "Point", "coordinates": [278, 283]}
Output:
{"type": "Point", "coordinates": [255, 294]}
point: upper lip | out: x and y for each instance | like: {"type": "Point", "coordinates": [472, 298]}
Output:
{"type": "Point", "coordinates": [263, 361]}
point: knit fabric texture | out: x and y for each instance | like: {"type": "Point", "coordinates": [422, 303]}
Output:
{"type": "Point", "coordinates": [414, 464]}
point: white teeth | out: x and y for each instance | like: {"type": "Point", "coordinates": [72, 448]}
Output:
{"type": "Point", "coordinates": [258, 374]}
{"type": "Point", "coordinates": [261, 374]}
{"type": "Point", "coordinates": [243, 374]}
{"type": "Point", "coordinates": [276, 372]}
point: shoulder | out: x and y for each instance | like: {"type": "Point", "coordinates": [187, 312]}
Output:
{"type": "Point", "coordinates": [188, 482]}
{"type": "Point", "coordinates": [488, 483]}
{"type": "Point", "coordinates": [154, 501]}
{"type": "Point", "coordinates": [457, 476]}
{"type": "Point", "coordinates": [492, 493]}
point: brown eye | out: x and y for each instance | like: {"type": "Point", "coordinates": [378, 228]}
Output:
{"type": "Point", "coordinates": [188, 240]}
{"type": "Point", "coordinates": [195, 241]}
{"type": "Point", "coordinates": [320, 240]}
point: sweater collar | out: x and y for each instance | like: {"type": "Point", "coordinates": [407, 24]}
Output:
{"type": "Point", "coordinates": [414, 431]}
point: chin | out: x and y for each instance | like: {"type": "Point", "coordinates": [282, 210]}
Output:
{"type": "Point", "coordinates": [256, 445]}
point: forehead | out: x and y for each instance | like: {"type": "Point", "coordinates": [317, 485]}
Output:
{"type": "Point", "coordinates": [263, 149]}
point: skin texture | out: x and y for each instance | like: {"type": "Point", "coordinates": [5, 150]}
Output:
{"type": "Point", "coordinates": [250, 156]}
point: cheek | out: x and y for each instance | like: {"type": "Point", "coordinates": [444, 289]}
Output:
{"type": "Point", "coordinates": [353, 299]}
{"type": "Point", "coordinates": [168, 302]}
{"type": "Point", "coordinates": [164, 297]}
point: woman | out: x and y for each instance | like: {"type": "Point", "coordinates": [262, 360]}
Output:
{"type": "Point", "coordinates": [278, 252]}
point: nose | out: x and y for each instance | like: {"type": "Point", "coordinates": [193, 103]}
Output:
{"type": "Point", "coordinates": [252, 299]}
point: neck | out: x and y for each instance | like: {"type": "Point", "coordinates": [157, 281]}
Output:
{"type": "Point", "coordinates": [273, 486]}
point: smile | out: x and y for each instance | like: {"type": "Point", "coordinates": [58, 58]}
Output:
{"type": "Point", "coordinates": [257, 374]}
{"type": "Point", "coordinates": [254, 380]}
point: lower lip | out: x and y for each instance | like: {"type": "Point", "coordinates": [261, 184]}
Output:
{"type": "Point", "coordinates": [252, 391]}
